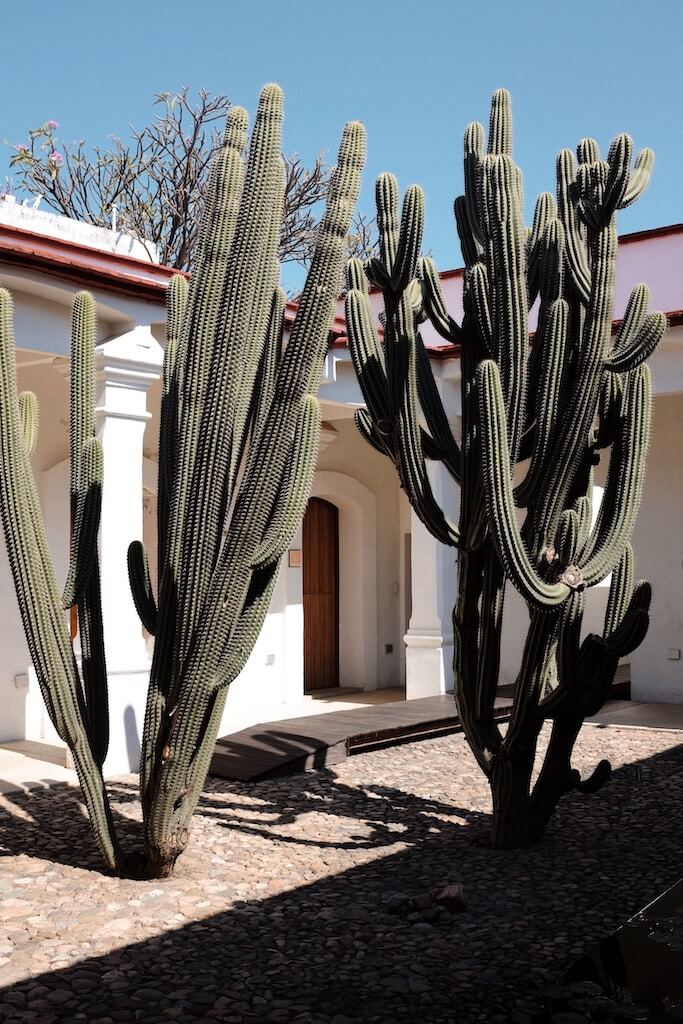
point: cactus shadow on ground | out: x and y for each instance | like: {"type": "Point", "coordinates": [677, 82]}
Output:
{"type": "Point", "coordinates": [332, 946]}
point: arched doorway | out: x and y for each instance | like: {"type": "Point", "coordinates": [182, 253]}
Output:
{"type": "Point", "coordinates": [320, 556]}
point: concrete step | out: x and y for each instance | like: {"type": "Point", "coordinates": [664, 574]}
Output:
{"type": "Point", "coordinates": [40, 750]}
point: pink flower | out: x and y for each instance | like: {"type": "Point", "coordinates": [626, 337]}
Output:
{"type": "Point", "coordinates": [56, 158]}
{"type": "Point", "coordinates": [21, 148]}
{"type": "Point", "coordinates": [53, 124]}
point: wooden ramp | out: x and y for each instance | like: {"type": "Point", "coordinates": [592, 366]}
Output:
{"type": "Point", "coordinates": [296, 744]}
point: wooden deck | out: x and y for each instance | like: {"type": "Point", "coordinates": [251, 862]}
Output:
{"type": "Point", "coordinates": [296, 744]}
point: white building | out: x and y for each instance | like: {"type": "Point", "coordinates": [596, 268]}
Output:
{"type": "Point", "coordinates": [371, 605]}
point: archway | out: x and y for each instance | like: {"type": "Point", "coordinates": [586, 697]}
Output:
{"type": "Point", "coordinates": [357, 514]}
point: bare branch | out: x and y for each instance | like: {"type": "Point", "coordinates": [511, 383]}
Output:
{"type": "Point", "coordinates": [156, 179]}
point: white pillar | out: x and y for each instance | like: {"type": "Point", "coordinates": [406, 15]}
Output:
{"type": "Point", "coordinates": [127, 366]}
{"type": "Point", "coordinates": [434, 573]}
{"type": "Point", "coordinates": [429, 640]}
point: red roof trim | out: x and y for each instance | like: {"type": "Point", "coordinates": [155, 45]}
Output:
{"type": "Point", "coordinates": [84, 264]}
{"type": "Point", "coordinates": [96, 268]}
{"type": "Point", "coordinates": [627, 239]}
{"type": "Point", "coordinates": [87, 266]}
{"type": "Point", "coordinates": [640, 236]}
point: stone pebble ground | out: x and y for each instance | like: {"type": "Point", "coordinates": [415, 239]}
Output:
{"type": "Point", "coordinates": [306, 898]}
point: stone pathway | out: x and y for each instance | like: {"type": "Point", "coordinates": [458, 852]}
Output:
{"type": "Point", "coordinates": [311, 898]}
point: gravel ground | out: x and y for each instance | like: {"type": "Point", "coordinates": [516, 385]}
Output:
{"type": "Point", "coordinates": [307, 898]}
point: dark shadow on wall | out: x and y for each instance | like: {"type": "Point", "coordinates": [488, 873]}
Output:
{"type": "Point", "coordinates": [132, 734]}
{"type": "Point", "coordinates": [333, 948]}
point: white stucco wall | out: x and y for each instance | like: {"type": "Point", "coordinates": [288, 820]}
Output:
{"type": "Point", "coordinates": [47, 222]}
{"type": "Point", "coordinates": [657, 675]}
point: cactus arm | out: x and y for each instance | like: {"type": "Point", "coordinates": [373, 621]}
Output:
{"type": "Point", "coordinates": [550, 387]}
{"type": "Point", "coordinates": [490, 633]}
{"type": "Point", "coordinates": [368, 359]}
{"type": "Point", "coordinates": [302, 362]}
{"type": "Point", "coordinates": [39, 599]}
{"type": "Point", "coordinates": [141, 586]}
{"type": "Point", "coordinates": [93, 665]}
{"type": "Point", "coordinates": [176, 303]}
{"type": "Point", "coordinates": [255, 361]}
{"type": "Point", "coordinates": [577, 258]}
{"type": "Point", "coordinates": [249, 623]}
{"type": "Point", "coordinates": [386, 196]}
{"type": "Point", "coordinates": [28, 410]}
{"type": "Point", "coordinates": [467, 212]}
{"type": "Point", "coordinates": [500, 124]}
{"type": "Point", "coordinates": [435, 414]}
{"type": "Point", "coordinates": [409, 239]}
{"type": "Point", "coordinates": [634, 317]}
{"type": "Point", "coordinates": [410, 457]}
{"type": "Point", "coordinates": [507, 274]}
{"type": "Point", "coordinates": [86, 524]}
{"type": "Point", "coordinates": [478, 301]}
{"type": "Point", "coordinates": [544, 211]}
{"type": "Point", "coordinates": [368, 431]}
{"type": "Point", "coordinates": [270, 359]}
{"type": "Point", "coordinates": [499, 498]}
{"type": "Point", "coordinates": [85, 481]}
{"type": "Point", "coordinates": [629, 357]}
{"type": "Point", "coordinates": [621, 499]}
{"type": "Point", "coordinates": [569, 447]}
{"type": "Point", "coordinates": [471, 250]}
{"type": "Point", "coordinates": [295, 488]}
{"type": "Point", "coordinates": [619, 162]}
{"type": "Point", "coordinates": [639, 178]}
{"type": "Point", "coordinates": [193, 319]}
{"type": "Point", "coordinates": [244, 249]}
{"type": "Point", "coordinates": [621, 588]}
{"type": "Point", "coordinates": [434, 303]}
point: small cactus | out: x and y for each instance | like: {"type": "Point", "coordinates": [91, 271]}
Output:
{"type": "Point", "coordinates": [556, 404]}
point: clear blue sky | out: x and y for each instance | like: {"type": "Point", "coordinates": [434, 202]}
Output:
{"type": "Point", "coordinates": [415, 71]}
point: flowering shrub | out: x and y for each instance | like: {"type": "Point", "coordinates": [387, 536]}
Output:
{"type": "Point", "coordinates": [155, 181]}
{"type": "Point", "coordinates": [41, 148]}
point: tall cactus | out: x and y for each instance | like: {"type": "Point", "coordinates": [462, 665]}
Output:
{"type": "Point", "coordinates": [537, 415]}
{"type": "Point", "coordinates": [75, 698]}
{"type": "Point", "coordinates": [237, 450]}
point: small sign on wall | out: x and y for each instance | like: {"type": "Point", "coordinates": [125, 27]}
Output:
{"type": "Point", "coordinates": [294, 558]}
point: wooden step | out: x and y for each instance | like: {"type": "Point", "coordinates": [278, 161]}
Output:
{"type": "Point", "coordinates": [297, 744]}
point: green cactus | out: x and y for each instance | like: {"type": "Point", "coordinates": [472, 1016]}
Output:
{"type": "Point", "coordinates": [76, 699]}
{"type": "Point", "coordinates": [238, 445]}
{"type": "Point", "coordinates": [553, 404]}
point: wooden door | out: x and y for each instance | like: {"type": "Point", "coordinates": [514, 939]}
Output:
{"type": "Point", "coordinates": [320, 557]}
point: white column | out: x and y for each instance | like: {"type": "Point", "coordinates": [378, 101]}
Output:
{"type": "Point", "coordinates": [127, 366]}
{"type": "Point", "coordinates": [429, 640]}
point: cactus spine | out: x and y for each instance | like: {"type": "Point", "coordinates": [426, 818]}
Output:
{"type": "Point", "coordinates": [237, 450]}
{"type": "Point", "coordinates": [553, 405]}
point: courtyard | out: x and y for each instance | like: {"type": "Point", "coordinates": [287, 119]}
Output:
{"type": "Point", "coordinates": [307, 898]}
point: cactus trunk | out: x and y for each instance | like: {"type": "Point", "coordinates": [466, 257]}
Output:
{"type": "Point", "coordinates": [544, 408]}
